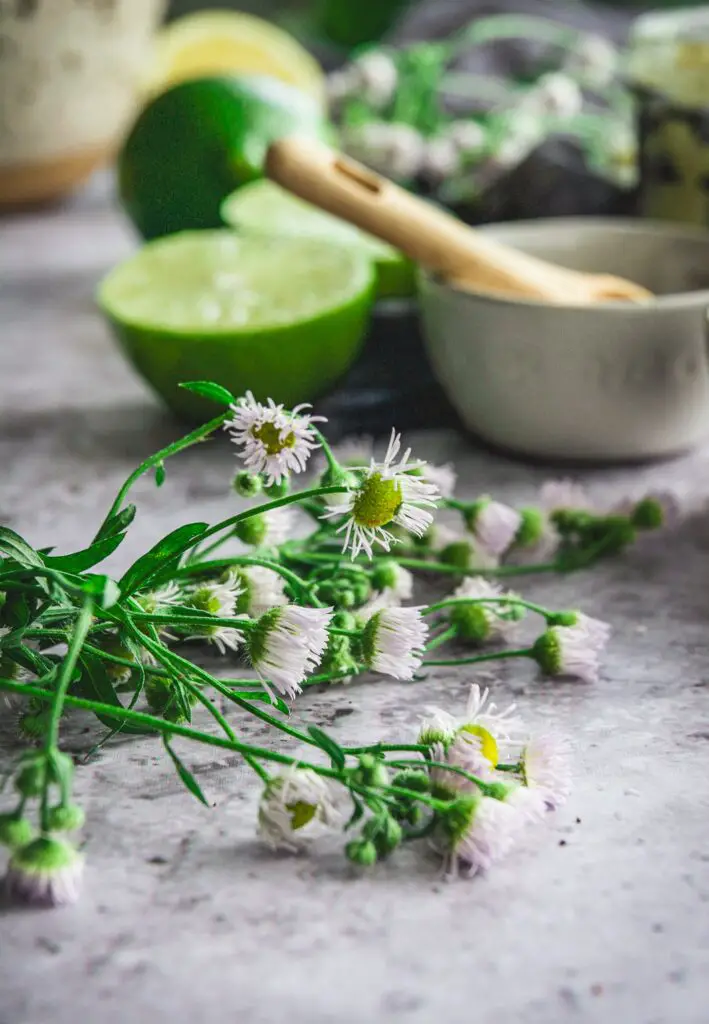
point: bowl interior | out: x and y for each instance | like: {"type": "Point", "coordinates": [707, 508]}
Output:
{"type": "Point", "coordinates": [668, 259]}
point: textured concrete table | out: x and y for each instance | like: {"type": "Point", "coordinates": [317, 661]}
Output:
{"type": "Point", "coordinates": [603, 916]}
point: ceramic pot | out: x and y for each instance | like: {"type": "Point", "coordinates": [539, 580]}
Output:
{"type": "Point", "coordinates": [70, 74]}
{"type": "Point", "coordinates": [608, 382]}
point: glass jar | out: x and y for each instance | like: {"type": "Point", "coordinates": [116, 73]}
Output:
{"type": "Point", "coordinates": [668, 71]}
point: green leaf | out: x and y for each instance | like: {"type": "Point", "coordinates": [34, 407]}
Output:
{"type": "Point", "coordinates": [330, 746]}
{"type": "Point", "coordinates": [14, 546]}
{"type": "Point", "coordinates": [357, 813]}
{"type": "Point", "coordinates": [185, 774]}
{"type": "Point", "coordinates": [16, 612]}
{"type": "Point", "coordinates": [166, 550]}
{"type": "Point", "coordinates": [95, 684]}
{"type": "Point", "coordinates": [80, 561]}
{"type": "Point", "coordinates": [160, 474]}
{"type": "Point", "coordinates": [103, 588]}
{"type": "Point", "coordinates": [117, 523]}
{"type": "Point", "coordinates": [208, 389]}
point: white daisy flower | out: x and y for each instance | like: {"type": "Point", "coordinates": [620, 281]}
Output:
{"type": "Point", "coordinates": [528, 803]}
{"type": "Point", "coordinates": [573, 651]}
{"type": "Point", "coordinates": [377, 78]}
{"type": "Point", "coordinates": [494, 525]}
{"type": "Point", "coordinates": [290, 801]}
{"type": "Point", "coordinates": [267, 529]}
{"type": "Point", "coordinates": [154, 602]}
{"type": "Point", "coordinates": [387, 493]}
{"type": "Point", "coordinates": [47, 872]}
{"type": "Point", "coordinates": [546, 768]}
{"type": "Point", "coordinates": [273, 441]}
{"type": "Point", "coordinates": [393, 642]}
{"type": "Point", "coordinates": [217, 598]}
{"type": "Point", "coordinates": [262, 589]}
{"type": "Point", "coordinates": [495, 729]}
{"type": "Point", "coordinates": [287, 644]}
{"type": "Point", "coordinates": [563, 495]}
{"type": "Point", "coordinates": [466, 752]}
{"type": "Point", "coordinates": [478, 622]}
{"type": "Point", "coordinates": [437, 727]}
{"type": "Point", "coordinates": [390, 147]}
{"type": "Point", "coordinates": [485, 833]}
{"type": "Point", "coordinates": [444, 477]}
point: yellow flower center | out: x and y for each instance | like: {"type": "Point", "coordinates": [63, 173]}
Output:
{"type": "Point", "coordinates": [377, 501]}
{"type": "Point", "coordinates": [301, 813]}
{"type": "Point", "coordinates": [488, 743]}
{"type": "Point", "coordinates": [270, 437]}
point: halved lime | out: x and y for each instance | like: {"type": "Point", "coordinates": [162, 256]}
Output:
{"type": "Point", "coordinates": [282, 317]}
{"type": "Point", "coordinates": [219, 42]}
{"type": "Point", "coordinates": [194, 144]}
{"type": "Point", "coordinates": [264, 206]}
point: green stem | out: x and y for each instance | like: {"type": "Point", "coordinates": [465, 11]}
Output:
{"type": "Point", "coordinates": [454, 769]}
{"type": "Point", "coordinates": [527, 652]}
{"type": "Point", "coordinates": [451, 602]}
{"type": "Point", "coordinates": [197, 621]}
{"type": "Point", "coordinates": [172, 449]}
{"type": "Point", "coordinates": [332, 463]}
{"type": "Point", "coordinates": [59, 696]}
{"type": "Point", "coordinates": [226, 563]}
{"type": "Point", "coordinates": [453, 570]}
{"type": "Point", "coordinates": [442, 638]}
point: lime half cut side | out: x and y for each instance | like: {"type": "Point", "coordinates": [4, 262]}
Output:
{"type": "Point", "coordinates": [263, 206]}
{"type": "Point", "coordinates": [282, 317]}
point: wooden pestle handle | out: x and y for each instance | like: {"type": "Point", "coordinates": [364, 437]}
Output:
{"type": "Point", "coordinates": [428, 235]}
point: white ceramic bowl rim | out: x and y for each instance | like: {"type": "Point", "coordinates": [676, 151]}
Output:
{"type": "Point", "coordinates": [615, 225]}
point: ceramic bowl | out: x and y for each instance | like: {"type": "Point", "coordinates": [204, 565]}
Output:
{"type": "Point", "coordinates": [605, 382]}
{"type": "Point", "coordinates": [70, 75]}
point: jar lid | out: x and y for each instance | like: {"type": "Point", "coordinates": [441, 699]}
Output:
{"type": "Point", "coordinates": [669, 52]}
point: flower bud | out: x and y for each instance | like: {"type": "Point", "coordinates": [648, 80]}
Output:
{"type": "Point", "coordinates": [45, 872]}
{"type": "Point", "coordinates": [362, 851]}
{"type": "Point", "coordinates": [413, 779]}
{"type": "Point", "coordinates": [30, 779]}
{"type": "Point", "coordinates": [66, 818]}
{"type": "Point", "coordinates": [385, 575]}
{"type": "Point", "coordinates": [531, 528]}
{"type": "Point", "coordinates": [648, 514]}
{"type": "Point", "coordinates": [278, 489]}
{"type": "Point", "coordinates": [247, 485]}
{"type": "Point", "coordinates": [385, 833]}
{"type": "Point", "coordinates": [15, 831]}
{"type": "Point", "coordinates": [372, 771]}
{"type": "Point", "coordinates": [252, 531]}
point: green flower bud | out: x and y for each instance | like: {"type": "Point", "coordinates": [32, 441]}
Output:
{"type": "Point", "coordinates": [498, 790]}
{"type": "Point", "coordinates": [361, 590]}
{"type": "Point", "coordinates": [278, 490]}
{"type": "Point", "coordinates": [648, 514]}
{"type": "Point", "coordinates": [472, 622]}
{"type": "Point", "coordinates": [413, 779]}
{"type": "Point", "coordinates": [459, 554]}
{"type": "Point", "coordinates": [385, 575]}
{"type": "Point", "coordinates": [30, 779]}
{"type": "Point", "coordinates": [546, 651]}
{"type": "Point", "coordinates": [247, 485]}
{"type": "Point", "coordinates": [372, 771]}
{"type": "Point", "coordinates": [339, 477]}
{"type": "Point", "coordinates": [66, 818]}
{"type": "Point", "coordinates": [473, 511]}
{"type": "Point", "coordinates": [32, 725]}
{"type": "Point", "coordinates": [531, 529]}
{"type": "Point", "coordinates": [344, 620]}
{"type": "Point", "coordinates": [562, 619]}
{"type": "Point", "coordinates": [15, 831]}
{"type": "Point", "coordinates": [385, 833]}
{"type": "Point", "coordinates": [362, 851]}
{"type": "Point", "coordinates": [45, 872]}
{"type": "Point", "coordinates": [251, 531]}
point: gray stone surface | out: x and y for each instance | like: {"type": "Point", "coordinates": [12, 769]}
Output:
{"type": "Point", "coordinates": [602, 917]}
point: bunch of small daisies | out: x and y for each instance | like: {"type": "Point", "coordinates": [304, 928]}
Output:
{"type": "Point", "coordinates": [299, 608]}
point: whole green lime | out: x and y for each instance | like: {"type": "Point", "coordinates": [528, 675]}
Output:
{"type": "Point", "coordinates": [197, 142]}
{"type": "Point", "coordinates": [282, 317]}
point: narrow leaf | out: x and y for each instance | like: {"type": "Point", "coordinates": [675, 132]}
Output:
{"type": "Point", "coordinates": [95, 684]}
{"type": "Point", "coordinates": [171, 546]}
{"type": "Point", "coordinates": [14, 546]}
{"type": "Point", "coordinates": [80, 561]}
{"type": "Point", "coordinates": [103, 588]}
{"type": "Point", "coordinates": [160, 474]}
{"type": "Point", "coordinates": [330, 746]}
{"type": "Point", "coordinates": [118, 523]}
{"type": "Point", "coordinates": [208, 389]}
{"type": "Point", "coordinates": [185, 774]}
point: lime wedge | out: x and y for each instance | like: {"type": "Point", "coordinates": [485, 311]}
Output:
{"type": "Point", "coordinates": [282, 317]}
{"type": "Point", "coordinates": [263, 206]}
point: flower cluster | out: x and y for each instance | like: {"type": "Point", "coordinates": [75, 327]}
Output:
{"type": "Point", "coordinates": [298, 609]}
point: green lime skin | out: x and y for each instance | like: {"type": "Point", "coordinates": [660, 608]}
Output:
{"type": "Point", "coordinates": [198, 141]}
